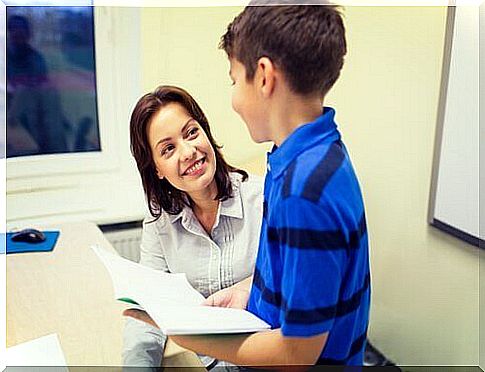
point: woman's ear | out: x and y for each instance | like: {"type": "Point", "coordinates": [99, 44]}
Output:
{"type": "Point", "coordinates": [159, 174]}
{"type": "Point", "coordinates": [266, 76]}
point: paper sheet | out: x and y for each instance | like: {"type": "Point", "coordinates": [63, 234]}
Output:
{"type": "Point", "coordinates": [172, 302]}
{"type": "Point", "coordinates": [43, 351]}
{"type": "Point", "coordinates": [136, 281]}
{"type": "Point", "coordinates": [176, 320]}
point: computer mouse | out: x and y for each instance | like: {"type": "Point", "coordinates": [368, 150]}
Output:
{"type": "Point", "coordinates": [29, 236]}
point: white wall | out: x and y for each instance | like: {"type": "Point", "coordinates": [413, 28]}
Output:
{"type": "Point", "coordinates": [482, 182]}
{"type": "Point", "coordinates": [425, 283]}
{"type": "Point", "coordinates": [180, 48]}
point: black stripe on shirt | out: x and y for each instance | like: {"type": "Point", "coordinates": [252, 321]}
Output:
{"type": "Point", "coordinates": [269, 296]}
{"type": "Point", "coordinates": [323, 173]}
{"type": "Point", "coordinates": [322, 314]}
{"type": "Point", "coordinates": [356, 347]}
{"type": "Point", "coordinates": [308, 238]}
{"type": "Point", "coordinates": [318, 315]}
{"type": "Point", "coordinates": [286, 190]}
{"type": "Point", "coordinates": [317, 239]}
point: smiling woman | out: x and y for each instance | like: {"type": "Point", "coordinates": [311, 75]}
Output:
{"type": "Point", "coordinates": [182, 152]}
{"type": "Point", "coordinates": [164, 111]}
{"type": "Point", "coordinates": [205, 215]}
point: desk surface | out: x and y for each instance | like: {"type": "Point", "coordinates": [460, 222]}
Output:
{"type": "Point", "coordinates": [68, 292]}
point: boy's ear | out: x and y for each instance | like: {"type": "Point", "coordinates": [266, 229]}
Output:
{"type": "Point", "coordinates": [266, 76]}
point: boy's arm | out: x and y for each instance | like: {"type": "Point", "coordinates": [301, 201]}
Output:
{"type": "Point", "coordinates": [256, 349]}
{"type": "Point", "coordinates": [268, 348]}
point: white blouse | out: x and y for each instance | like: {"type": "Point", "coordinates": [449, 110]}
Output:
{"type": "Point", "coordinates": [179, 243]}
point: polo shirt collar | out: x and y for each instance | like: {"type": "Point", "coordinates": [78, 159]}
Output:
{"type": "Point", "coordinates": [322, 130]}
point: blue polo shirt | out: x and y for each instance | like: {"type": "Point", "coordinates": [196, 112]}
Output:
{"type": "Point", "coordinates": [312, 269]}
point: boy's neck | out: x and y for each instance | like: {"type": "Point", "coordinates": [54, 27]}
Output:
{"type": "Point", "coordinates": [291, 112]}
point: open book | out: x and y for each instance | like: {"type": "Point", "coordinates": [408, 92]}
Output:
{"type": "Point", "coordinates": [171, 301]}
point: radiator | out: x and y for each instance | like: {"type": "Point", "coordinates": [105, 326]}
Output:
{"type": "Point", "coordinates": [125, 238]}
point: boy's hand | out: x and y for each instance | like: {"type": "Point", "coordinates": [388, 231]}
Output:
{"type": "Point", "coordinates": [140, 315]}
{"type": "Point", "coordinates": [229, 297]}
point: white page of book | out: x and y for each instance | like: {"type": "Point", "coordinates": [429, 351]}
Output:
{"type": "Point", "coordinates": [176, 320]}
{"type": "Point", "coordinates": [172, 302]}
{"type": "Point", "coordinates": [135, 281]}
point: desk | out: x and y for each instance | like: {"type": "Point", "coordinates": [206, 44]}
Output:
{"type": "Point", "coordinates": [69, 292]}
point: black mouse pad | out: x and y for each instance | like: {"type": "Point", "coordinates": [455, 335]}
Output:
{"type": "Point", "coordinates": [46, 246]}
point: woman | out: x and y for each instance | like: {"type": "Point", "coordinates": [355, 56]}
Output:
{"type": "Point", "coordinates": [204, 215]}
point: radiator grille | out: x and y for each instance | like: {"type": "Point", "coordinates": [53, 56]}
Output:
{"type": "Point", "coordinates": [125, 238]}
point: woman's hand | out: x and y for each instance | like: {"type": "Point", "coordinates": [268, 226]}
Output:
{"type": "Point", "coordinates": [234, 297]}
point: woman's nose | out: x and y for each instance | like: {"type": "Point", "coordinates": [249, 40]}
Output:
{"type": "Point", "coordinates": [188, 152]}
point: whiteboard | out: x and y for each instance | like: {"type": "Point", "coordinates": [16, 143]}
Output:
{"type": "Point", "coordinates": [455, 191]}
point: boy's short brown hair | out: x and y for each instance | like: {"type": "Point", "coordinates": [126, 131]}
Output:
{"type": "Point", "coordinates": [307, 42]}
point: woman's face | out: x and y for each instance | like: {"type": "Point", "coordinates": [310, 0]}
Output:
{"type": "Point", "coordinates": [181, 150]}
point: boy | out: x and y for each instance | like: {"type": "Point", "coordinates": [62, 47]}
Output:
{"type": "Point", "coordinates": [311, 282]}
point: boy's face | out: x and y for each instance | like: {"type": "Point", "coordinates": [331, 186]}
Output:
{"type": "Point", "coordinates": [247, 101]}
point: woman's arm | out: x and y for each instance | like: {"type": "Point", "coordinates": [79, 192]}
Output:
{"type": "Point", "coordinates": [143, 344]}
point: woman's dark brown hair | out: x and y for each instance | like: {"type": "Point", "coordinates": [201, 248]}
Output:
{"type": "Point", "coordinates": [160, 194]}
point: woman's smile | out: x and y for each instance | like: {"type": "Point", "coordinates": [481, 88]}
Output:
{"type": "Point", "coordinates": [196, 168]}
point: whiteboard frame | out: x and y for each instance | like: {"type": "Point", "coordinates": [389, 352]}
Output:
{"type": "Point", "coordinates": [471, 239]}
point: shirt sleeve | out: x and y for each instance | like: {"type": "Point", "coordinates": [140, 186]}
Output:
{"type": "Point", "coordinates": [151, 250]}
{"type": "Point", "coordinates": [312, 249]}
{"type": "Point", "coordinates": [143, 344]}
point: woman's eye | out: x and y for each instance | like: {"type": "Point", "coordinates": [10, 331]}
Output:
{"type": "Point", "coordinates": [193, 132]}
{"type": "Point", "coordinates": [166, 150]}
